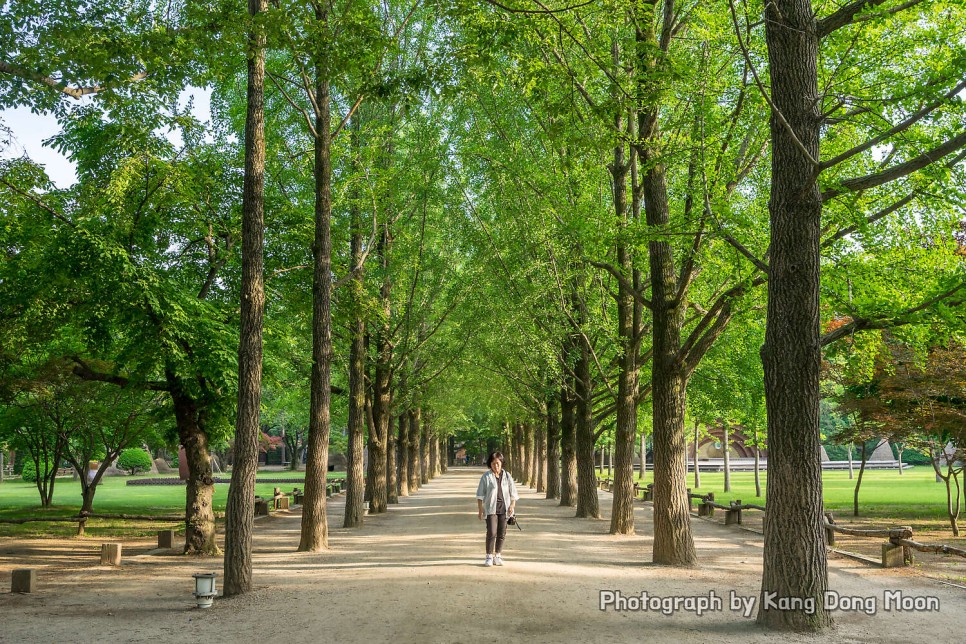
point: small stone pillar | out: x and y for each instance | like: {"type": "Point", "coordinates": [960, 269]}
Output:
{"type": "Point", "coordinates": [166, 538]}
{"type": "Point", "coordinates": [23, 580]}
{"type": "Point", "coordinates": [261, 507]}
{"type": "Point", "coordinates": [282, 503]}
{"type": "Point", "coordinates": [705, 510]}
{"type": "Point", "coordinates": [892, 556]}
{"type": "Point", "coordinates": [110, 554]}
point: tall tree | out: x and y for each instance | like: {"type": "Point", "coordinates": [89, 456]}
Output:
{"type": "Point", "coordinates": [240, 508]}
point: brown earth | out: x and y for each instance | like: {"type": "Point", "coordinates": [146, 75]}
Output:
{"type": "Point", "coordinates": [415, 574]}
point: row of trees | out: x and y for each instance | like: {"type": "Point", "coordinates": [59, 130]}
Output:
{"type": "Point", "coordinates": [564, 219]}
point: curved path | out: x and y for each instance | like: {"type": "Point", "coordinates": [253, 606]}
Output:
{"type": "Point", "coordinates": [415, 574]}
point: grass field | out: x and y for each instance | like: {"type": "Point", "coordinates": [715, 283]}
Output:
{"type": "Point", "coordinates": [19, 499]}
{"type": "Point", "coordinates": [914, 494]}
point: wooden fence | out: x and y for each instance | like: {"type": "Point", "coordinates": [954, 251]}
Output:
{"type": "Point", "coordinates": [896, 552]}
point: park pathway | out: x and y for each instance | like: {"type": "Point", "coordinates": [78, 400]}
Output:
{"type": "Point", "coordinates": [415, 574]}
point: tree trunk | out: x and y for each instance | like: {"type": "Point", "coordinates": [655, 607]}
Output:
{"type": "Point", "coordinates": [392, 483]}
{"type": "Point", "coordinates": [568, 448]}
{"type": "Point", "coordinates": [727, 456]}
{"type": "Point", "coordinates": [355, 465]}
{"type": "Point", "coordinates": [673, 541]}
{"type": "Point", "coordinates": [87, 499]}
{"type": "Point", "coordinates": [199, 515]}
{"type": "Point", "coordinates": [424, 473]}
{"type": "Point", "coordinates": [541, 450]}
{"type": "Point", "coordinates": [757, 471]}
{"type": "Point", "coordinates": [433, 457]}
{"type": "Point", "coordinates": [553, 449]}
{"type": "Point", "coordinates": [403, 445]}
{"type": "Point", "coordinates": [858, 483]}
{"type": "Point", "coordinates": [532, 454]}
{"type": "Point", "coordinates": [643, 455]}
{"type": "Point", "coordinates": [622, 508]}
{"type": "Point", "coordinates": [240, 507]}
{"type": "Point", "coordinates": [315, 531]}
{"type": "Point", "coordinates": [381, 387]}
{"type": "Point", "coordinates": [414, 434]}
{"type": "Point", "coordinates": [508, 447]}
{"type": "Point", "coordinates": [953, 504]}
{"type": "Point", "coordinates": [851, 468]}
{"type": "Point", "coordinates": [588, 505]}
{"type": "Point", "coordinates": [795, 562]}
{"type": "Point", "coordinates": [899, 451]}
{"type": "Point", "coordinates": [697, 468]}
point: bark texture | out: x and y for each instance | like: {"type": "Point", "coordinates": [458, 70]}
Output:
{"type": "Point", "coordinates": [414, 435]}
{"type": "Point", "coordinates": [315, 531]}
{"type": "Point", "coordinates": [240, 508]}
{"type": "Point", "coordinates": [356, 426]}
{"type": "Point", "coordinates": [553, 448]}
{"type": "Point", "coordinates": [568, 447]}
{"type": "Point", "coordinates": [794, 553]}
{"type": "Point", "coordinates": [588, 505]}
{"type": "Point", "coordinates": [199, 514]}
{"type": "Point", "coordinates": [403, 447]}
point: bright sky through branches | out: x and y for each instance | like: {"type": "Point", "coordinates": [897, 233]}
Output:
{"type": "Point", "coordinates": [29, 131]}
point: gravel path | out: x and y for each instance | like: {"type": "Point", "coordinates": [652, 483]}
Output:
{"type": "Point", "coordinates": [415, 574]}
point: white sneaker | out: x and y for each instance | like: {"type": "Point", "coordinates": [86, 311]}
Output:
{"type": "Point", "coordinates": [498, 560]}
{"type": "Point", "coordinates": [488, 561]}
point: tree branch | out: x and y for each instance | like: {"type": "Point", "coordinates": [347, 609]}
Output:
{"type": "Point", "coordinates": [901, 319]}
{"type": "Point", "coordinates": [623, 281]}
{"type": "Point", "coordinates": [898, 171]}
{"type": "Point", "coordinates": [74, 92]}
{"type": "Point", "coordinates": [904, 125]}
{"type": "Point", "coordinates": [851, 13]}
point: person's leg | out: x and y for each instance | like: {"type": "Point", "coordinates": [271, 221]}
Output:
{"type": "Point", "coordinates": [492, 521]}
{"type": "Point", "coordinates": [500, 532]}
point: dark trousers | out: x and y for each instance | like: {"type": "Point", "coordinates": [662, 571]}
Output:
{"type": "Point", "coordinates": [495, 533]}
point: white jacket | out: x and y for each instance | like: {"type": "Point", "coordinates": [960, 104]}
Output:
{"type": "Point", "coordinates": [486, 491]}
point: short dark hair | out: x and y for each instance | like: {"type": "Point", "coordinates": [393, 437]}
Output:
{"type": "Point", "coordinates": [495, 456]}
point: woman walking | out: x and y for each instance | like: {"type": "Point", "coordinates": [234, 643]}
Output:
{"type": "Point", "coordinates": [496, 496]}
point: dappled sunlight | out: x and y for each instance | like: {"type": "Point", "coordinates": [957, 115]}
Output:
{"type": "Point", "coordinates": [423, 557]}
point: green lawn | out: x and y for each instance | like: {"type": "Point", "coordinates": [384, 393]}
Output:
{"type": "Point", "coordinates": [114, 496]}
{"type": "Point", "coordinates": [884, 493]}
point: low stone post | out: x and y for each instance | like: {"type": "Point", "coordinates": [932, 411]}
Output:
{"type": "Point", "coordinates": [110, 554]}
{"type": "Point", "coordinates": [23, 580]}
{"type": "Point", "coordinates": [166, 538]}
{"type": "Point", "coordinates": [892, 556]}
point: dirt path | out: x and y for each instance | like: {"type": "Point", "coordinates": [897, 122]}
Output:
{"type": "Point", "coordinates": [415, 574]}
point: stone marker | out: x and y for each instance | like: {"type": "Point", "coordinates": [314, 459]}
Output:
{"type": "Point", "coordinates": [892, 556]}
{"type": "Point", "coordinates": [166, 538]}
{"type": "Point", "coordinates": [261, 508]}
{"type": "Point", "coordinates": [23, 580]}
{"type": "Point", "coordinates": [110, 554]}
{"type": "Point", "coordinates": [282, 503]}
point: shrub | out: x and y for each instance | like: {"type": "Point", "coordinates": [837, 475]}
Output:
{"type": "Point", "coordinates": [914, 457]}
{"type": "Point", "coordinates": [29, 471]}
{"type": "Point", "coordinates": [134, 461]}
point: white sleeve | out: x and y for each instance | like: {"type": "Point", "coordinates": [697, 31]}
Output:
{"type": "Point", "coordinates": [481, 489]}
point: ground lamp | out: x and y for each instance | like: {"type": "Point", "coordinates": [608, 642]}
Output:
{"type": "Point", "coordinates": [205, 591]}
